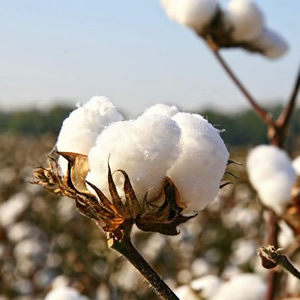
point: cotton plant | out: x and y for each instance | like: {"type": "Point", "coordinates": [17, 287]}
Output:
{"type": "Point", "coordinates": [156, 171]}
{"type": "Point", "coordinates": [240, 24]}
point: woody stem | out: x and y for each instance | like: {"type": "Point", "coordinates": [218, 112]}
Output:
{"type": "Point", "coordinates": [126, 248]}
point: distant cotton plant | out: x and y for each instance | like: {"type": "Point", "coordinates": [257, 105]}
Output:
{"type": "Point", "coordinates": [242, 287]}
{"type": "Point", "coordinates": [240, 24]}
{"type": "Point", "coordinates": [272, 175]}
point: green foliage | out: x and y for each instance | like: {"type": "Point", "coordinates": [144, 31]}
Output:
{"type": "Point", "coordinates": [33, 122]}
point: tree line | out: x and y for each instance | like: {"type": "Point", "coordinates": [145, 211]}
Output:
{"type": "Point", "coordinates": [238, 129]}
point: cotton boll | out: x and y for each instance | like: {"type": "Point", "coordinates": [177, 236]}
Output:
{"type": "Point", "coordinates": [161, 109]}
{"type": "Point", "coordinates": [201, 165]}
{"type": "Point", "coordinates": [206, 286]}
{"type": "Point", "coordinates": [184, 292]}
{"type": "Point", "coordinates": [195, 14]}
{"type": "Point", "coordinates": [64, 293]}
{"type": "Point", "coordinates": [270, 43]}
{"type": "Point", "coordinates": [144, 148]}
{"type": "Point", "coordinates": [286, 235]}
{"type": "Point", "coordinates": [242, 287]}
{"type": "Point", "coordinates": [296, 165]}
{"type": "Point", "coordinates": [246, 19]}
{"type": "Point", "coordinates": [272, 175]}
{"type": "Point", "coordinates": [80, 130]}
{"type": "Point", "coordinates": [276, 192]}
{"type": "Point", "coordinates": [11, 209]}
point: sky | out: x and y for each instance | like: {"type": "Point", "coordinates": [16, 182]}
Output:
{"type": "Point", "coordinates": [66, 51]}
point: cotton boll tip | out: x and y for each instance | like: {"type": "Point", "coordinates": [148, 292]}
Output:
{"type": "Point", "coordinates": [271, 44]}
{"type": "Point", "coordinates": [161, 109]}
{"type": "Point", "coordinates": [245, 18]}
{"type": "Point", "coordinates": [196, 14]}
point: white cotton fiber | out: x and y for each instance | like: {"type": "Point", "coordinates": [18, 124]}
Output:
{"type": "Point", "coordinates": [161, 109]}
{"type": "Point", "coordinates": [270, 43]}
{"type": "Point", "coordinates": [242, 287]}
{"type": "Point", "coordinates": [246, 19]}
{"type": "Point", "coordinates": [64, 293]}
{"type": "Point", "coordinates": [145, 148]}
{"type": "Point", "coordinates": [272, 175]}
{"type": "Point", "coordinates": [184, 292]}
{"type": "Point", "coordinates": [200, 167]}
{"type": "Point", "coordinates": [80, 130]}
{"type": "Point", "coordinates": [296, 165]}
{"type": "Point", "coordinates": [195, 14]}
{"type": "Point", "coordinates": [206, 286]}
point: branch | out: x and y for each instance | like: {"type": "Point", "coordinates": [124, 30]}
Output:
{"type": "Point", "coordinates": [267, 118]}
{"type": "Point", "coordinates": [285, 116]}
{"type": "Point", "coordinates": [272, 255]}
{"type": "Point", "coordinates": [126, 248]}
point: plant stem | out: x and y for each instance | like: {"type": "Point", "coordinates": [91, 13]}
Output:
{"type": "Point", "coordinates": [272, 254]}
{"type": "Point", "coordinates": [273, 276]}
{"type": "Point", "coordinates": [126, 248]}
{"type": "Point", "coordinates": [259, 110]}
{"type": "Point", "coordinates": [285, 116]}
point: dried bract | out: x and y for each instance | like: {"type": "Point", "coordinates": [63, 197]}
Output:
{"type": "Point", "coordinates": [114, 216]}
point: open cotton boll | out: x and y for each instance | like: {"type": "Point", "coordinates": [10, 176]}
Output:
{"type": "Point", "coordinates": [161, 109]}
{"type": "Point", "coordinates": [276, 192]}
{"type": "Point", "coordinates": [242, 287]}
{"type": "Point", "coordinates": [195, 14]}
{"type": "Point", "coordinates": [201, 165]}
{"type": "Point", "coordinates": [80, 130]}
{"type": "Point", "coordinates": [286, 235]}
{"type": "Point", "coordinates": [144, 148]}
{"type": "Point", "coordinates": [296, 165]}
{"type": "Point", "coordinates": [246, 19]}
{"type": "Point", "coordinates": [270, 43]}
{"type": "Point", "coordinates": [64, 293]}
{"type": "Point", "coordinates": [206, 286]}
{"type": "Point", "coordinates": [272, 175]}
{"type": "Point", "coordinates": [184, 292]}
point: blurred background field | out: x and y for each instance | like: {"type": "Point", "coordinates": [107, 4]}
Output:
{"type": "Point", "coordinates": [44, 241]}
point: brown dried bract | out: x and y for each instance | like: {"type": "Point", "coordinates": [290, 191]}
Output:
{"type": "Point", "coordinates": [115, 216]}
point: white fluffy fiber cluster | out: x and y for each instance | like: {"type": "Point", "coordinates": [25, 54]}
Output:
{"type": "Point", "coordinates": [195, 14]}
{"type": "Point", "coordinates": [80, 130]}
{"type": "Point", "coordinates": [64, 293]}
{"type": "Point", "coordinates": [243, 17]}
{"type": "Point", "coordinates": [242, 287]}
{"type": "Point", "coordinates": [272, 175]}
{"type": "Point", "coordinates": [296, 165]}
{"type": "Point", "coordinates": [161, 142]}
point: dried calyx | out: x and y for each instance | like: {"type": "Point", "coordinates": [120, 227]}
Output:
{"type": "Point", "coordinates": [115, 216]}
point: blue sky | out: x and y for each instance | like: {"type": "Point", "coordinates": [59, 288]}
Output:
{"type": "Point", "coordinates": [128, 50]}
